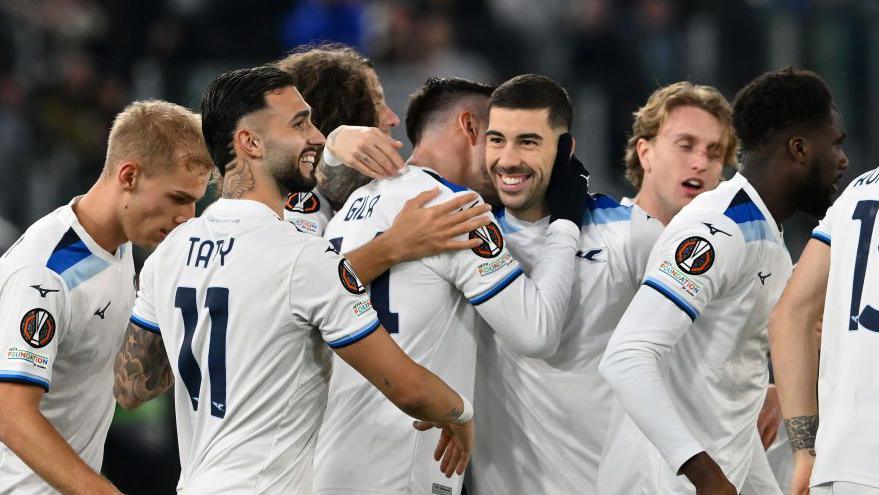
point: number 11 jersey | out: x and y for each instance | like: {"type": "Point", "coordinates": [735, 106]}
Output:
{"type": "Point", "coordinates": [244, 304]}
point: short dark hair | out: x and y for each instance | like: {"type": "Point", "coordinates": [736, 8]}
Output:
{"type": "Point", "coordinates": [437, 95]}
{"type": "Point", "coordinates": [534, 92]}
{"type": "Point", "coordinates": [779, 101]}
{"type": "Point", "coordinates": [231, 96]}
{"type": "Point", "coordinates": [332, 79]}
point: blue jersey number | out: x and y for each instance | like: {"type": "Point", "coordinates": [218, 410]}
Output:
{"type": "Point", "coordinates": [380, 294]}
{"type": "Point", "coordinates": [217, 302]}
{"type": "Point", "coordinates": [865, 211]}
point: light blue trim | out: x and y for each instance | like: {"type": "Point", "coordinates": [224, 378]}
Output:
{"type": "Point", "coordinates": [356, 336]}
{"type": "Point", "coordinates": [756, 230]}
{"type": "Point", "coordinates": [821, 236]}
{"type": "Point", "coordinates": [146, 325]}
{"type": "Point", "coordinates": [672, 296]}
{"type": "Point", "coordinates": [485, 296]}
{"type": "Point", "coordinates": [506, 227]}
{"type": "Point", "coordinates": [83, 270]}
{"type": "Point", "coordinates": [24, 377]}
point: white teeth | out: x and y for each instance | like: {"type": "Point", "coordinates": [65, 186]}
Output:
{"type": "Point", "coordinates": [308, 159]}
{"type": "Point", "coordinates": [694, 183]}
{"type": "Point", "coordinates": [509, 180]}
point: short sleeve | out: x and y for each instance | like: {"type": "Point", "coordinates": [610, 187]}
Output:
{"type": "Point", "coordinates": [33, 317]}
{"type": "Point", "coordinates": [482, 272]}
{"type": "Point", "coordinates": [693, 260]}
{"type": "Point", "coordinates": [326, 293]}
{"type": "Point", "coordinates": [643, 233]}
{"type": "Point", "coordinates": [824, 229]}
{"type": "Point", "coordinates": [144, 312]}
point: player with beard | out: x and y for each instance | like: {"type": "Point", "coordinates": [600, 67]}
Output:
{"type": "Point", "coordinates": [688, 358]}
{"type": "Point", "coordinates": [432, 306]}
{"type": "Point", "coordinates": [543, 421]}
{"type": "Point", "coordinates": [348, 106]}
{"type": "Point", "coordinates": [239, 282]}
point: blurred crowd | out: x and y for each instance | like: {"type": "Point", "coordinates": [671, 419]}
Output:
{"type": "Point", "coordinates": [68, 66]}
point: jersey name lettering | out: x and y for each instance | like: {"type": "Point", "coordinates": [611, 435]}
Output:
{"type": "Point", "coordinates": [205, 252]}
{"type": "Point", "coordinates": [361, 208]}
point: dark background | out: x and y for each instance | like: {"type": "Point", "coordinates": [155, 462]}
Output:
{"type": "Point", "coordinates": [68, 66]}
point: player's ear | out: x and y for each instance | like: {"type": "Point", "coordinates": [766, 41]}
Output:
{"type": "Point", "coordinates": [798, 147]}
{"type": "Point", "coordinates": [642, 147]}
{"type": "Point", "coordinates": [573, 145]}
{"type": "Point", "coordinates": [467, 123]}
{"type": "Point", "coordinates": [248, 143]}
{"type": "Point", "coordinates": [127, 175]}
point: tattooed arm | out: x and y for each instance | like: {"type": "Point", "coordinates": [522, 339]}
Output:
{"type": "Point", "coordinates": [141, 367]}
{"type": "Point", "coordinates": [794, 344]}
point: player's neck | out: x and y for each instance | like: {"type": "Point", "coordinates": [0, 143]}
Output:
{"type": "Point", "coordinates": [651, 204]}
{"type": "Point", "coordinates": [244, 181]}
{"type": "Point", "coordinates": [444, 159]}
{"type": "Point", "coordinates": [772, 186]}
{"type": "Point", "coordinates": [97, 212]}
{"type": "Point", "coordinates": [531, 213]}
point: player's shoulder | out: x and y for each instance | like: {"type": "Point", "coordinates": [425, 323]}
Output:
{"type": "Point", "coordinates": [866, 184]}
{"type": "Point", "coordinates": [45, 237]}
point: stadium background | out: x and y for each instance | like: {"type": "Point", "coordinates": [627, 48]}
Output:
{"type": "Point", "coordinates": [68, 66]}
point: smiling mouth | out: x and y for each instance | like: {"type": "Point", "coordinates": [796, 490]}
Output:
{"type": "Point", "coordinates": [512, 182]}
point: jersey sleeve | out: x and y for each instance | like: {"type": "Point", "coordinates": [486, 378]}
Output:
{"type": "Point", "coordinates": [308, 212]}
{"type": "Point", "coordinates": [34, 313]}
{"type": "Point", "coordinates": [823, 231]}
{"type": "Point", "coordinates": [691, 263]}
{"type": "Point", "coordinates": [693, 260]}
{"type": "Point", "coordinates": [144, 312]}
{"type": "Point", "coordinates": [326, 293]}
{"type": "Point", "coordinates": [526, 313]}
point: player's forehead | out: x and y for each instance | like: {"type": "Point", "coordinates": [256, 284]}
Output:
{"type": "Point", "coordinates": [513, 121]}
{"type": "Point", "coordinates": [286, 102]}
{"type": "Point", "coordinates": [694, 122]}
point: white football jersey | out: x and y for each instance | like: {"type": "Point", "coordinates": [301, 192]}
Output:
{"type": "Point", "coordinates": [65, 303]}
{"type": "Point", "coordinates": [431, 308]}
{"type": "Point", "coordinates": [848, 391]}
{"type": "Point", "coordinates": [309, 211]}
{"type": "Point", "coordinates": [542, 422]}
{"type": "Point", "coordinates": [688, 360]}
{"type": "Point", "coordinates": [244, 304]}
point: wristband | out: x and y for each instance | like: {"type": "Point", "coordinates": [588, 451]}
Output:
{"type": "Point", "coordinates": [466, 414]}
{"type": "Point", "coordinates": [329, 158]}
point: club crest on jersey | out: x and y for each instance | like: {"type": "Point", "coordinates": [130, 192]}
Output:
{"type": "Point", "coordinates": [302, 202]}
{"type": "Point", "coordinates": [37, 327]}
{"type": "Point", "coordinates": [492, 241]}
{"type": "Point", "coordinates": [349, 279]}
{"type": "Point", "coordinates": [694, 255]}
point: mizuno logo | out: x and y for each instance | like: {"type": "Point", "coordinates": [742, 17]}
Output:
{"type": "Point", "coordinates": [592, 256]}
{"type": "Point", "coordinates": [714, 230]}
{"type": "Point", "coordinates": [763, 277]}
{"type": "Point", "coordinates": [100, 312]}
{"type": "Point", "coordinates": [43, 291]}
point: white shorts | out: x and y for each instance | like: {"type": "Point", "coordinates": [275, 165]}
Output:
{"type": "Point", "coordinates": [843, 488]}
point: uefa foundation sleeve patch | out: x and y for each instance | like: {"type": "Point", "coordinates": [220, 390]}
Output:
{"type": "Point", "coordinates": [492, 241]}
{"type": "Point", "coordinates": [349, 279]}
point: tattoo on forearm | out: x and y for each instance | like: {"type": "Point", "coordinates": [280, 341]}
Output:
{"type": "Point", "coordinates": [141, 367]}
{"type": "Point", "coordinates": [337, 183]}
{"type": "Point", "coordinates": [238, 180]}
{"type": "Point", "coordinates": [801, 431]}
{"type": "Point", "coordinates": [455, 413]}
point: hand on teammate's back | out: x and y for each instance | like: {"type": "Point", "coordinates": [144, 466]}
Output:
{"type": "Point", "coordinates": [420, 231]}
{"type": "Point", "coordinates": [568, 184]}
{"type": "Point", "coordinates": [706, 476]}
{"type": "Point", "coordinates": [366, 149]}
{"type": "Point", "coordinates": [454, 446]}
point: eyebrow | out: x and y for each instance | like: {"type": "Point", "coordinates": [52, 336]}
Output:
{"type": "Point", "coordinates": [185, 195]}
{"type": "Point", "coordinates": [530, 135]}
{"type": "Point", "coordinates": [300, 114]}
